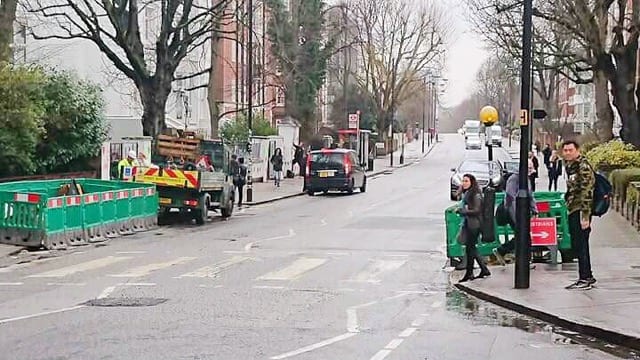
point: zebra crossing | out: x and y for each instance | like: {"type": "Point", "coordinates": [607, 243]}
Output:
{"type": "Point", "coordinates": [266, 271]}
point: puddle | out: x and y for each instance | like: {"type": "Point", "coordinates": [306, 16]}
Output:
{"type": "Point", "coordinates": [483, 313]}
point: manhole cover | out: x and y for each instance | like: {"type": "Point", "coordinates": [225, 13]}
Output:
{"type": "Point", "coordinates": [130, 302]}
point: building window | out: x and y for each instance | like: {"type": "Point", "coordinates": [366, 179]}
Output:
{"type": "Point", "coordinates": [280, 97]}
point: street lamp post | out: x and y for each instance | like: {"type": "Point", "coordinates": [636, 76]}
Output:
{"type": "Point", "coordinates": [523, 217]}
{"type": "Point", "coordinates": [489, 116]}
{"type": "Point", "coordinates": [424, 106]}
{"type": "Point", "coordinates": [249, 98]}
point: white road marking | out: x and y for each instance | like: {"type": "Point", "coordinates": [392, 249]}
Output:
{"type": "Point", "coordinates": [419, 321]}
{"type": "Point", "coordinates": [65, 284]}
{"type": "Point", "coordinates": [295, 270]}
{"type": "Point", "coordinates": [407, 332]}
{"type": "Point", "coordinates": [4, 321]}
{"type": "Point", "coordinates": [268, 287]}
{"type": "Point", "coordinates": [145, 270]}
{"type": "Point", "coordinates": [393, 344]}
{"type": "Point", "coordinates": [314, 346]}
{"type": "Point", "coordinates": [376, 268]}
{"type": "Point", "coordinates": [137, 284]}
{"type": "Point", "coordinates": [131, 252]}
{"type": "Point", "coordinates": [85, 266]}
{"type": "Point", "coordinates": [247, 247]}
{"type": "Point", "coordinates": [323, 222]}
{"type": "Point", "coordinates": [216, 269]}
{"type": "Point", "coordinates": [11, 284]}
{"type": "Point", "coordinates": [338, 253]}
{"type": "Point", "coordinates": [398, 255]}
{"type": "Point", "coordinates": [436, 304]}
{"type": "Point", "coordinates": [210, 287]}
{"type": "Point", "coordinates": [381, 354]}
{"type": "Point", "coordinates": [352, 320]}
{"type": "Point", "coordinates": [106, 292]}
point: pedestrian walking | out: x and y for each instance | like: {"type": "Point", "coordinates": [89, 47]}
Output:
{"type": "Point", "coordinates": [555, 170]}
{"type": "Point", "coordinates": [579, 200]}
{"type": "Point", "coordinates": [276, 161]}
{"type": "Point", "coordinates": [533, 175]}
{"type": "Point", "coordinates": [242, 179]}
{"type": "Point", "coordinates": [234, 172]}
{"type": "Point", "coordinates": [509, 208]}
{"type": "Point", "coordinates": [471, 210]}
{"type": "Point", "coordinates": [546, 153]}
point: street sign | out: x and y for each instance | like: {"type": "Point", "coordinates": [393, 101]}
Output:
{"type": "Point", "coordinates": [544, 232]}
{"type": "Point", "coordinates": [539, 114]}
{"type": "Point", "coordinates": [524, 117]}
{"type": "Point", "coordinates": [353, 121]}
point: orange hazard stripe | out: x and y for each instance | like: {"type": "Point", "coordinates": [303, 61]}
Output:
{"type": "Point", "coordinates": [151, 172]}
{"type": "Point", "coordinates": [192, 179]}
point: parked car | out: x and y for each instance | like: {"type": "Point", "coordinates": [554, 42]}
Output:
{"type": "Point", "coordinates": [334, 169]}
{"type": "Point", "coordinates": [488, 173]}
{"type": "Point", "coordinates": [473, 142]}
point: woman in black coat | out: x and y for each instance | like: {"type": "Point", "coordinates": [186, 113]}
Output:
{"type": "Point", "coordinates": [471, 211]}
{"type": "Point", "coordinates": [555, 170]}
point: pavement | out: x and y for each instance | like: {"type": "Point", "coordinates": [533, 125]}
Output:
{"type": "Point", "coordinates": [327, 277]}
{"type": "Point", "coordinates": [608, 311]}
{"type": "Point", "coordinates": [266, 192]}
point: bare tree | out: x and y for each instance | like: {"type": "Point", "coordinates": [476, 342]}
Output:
{"type": "Point", "coordinates": [7, 18]}
{"type": "Point", "coordinates": [399, 41]}
{"type": "Point", "coordinates": [114, 27]}
{"type": "Point", "coordinates": [607, 32]}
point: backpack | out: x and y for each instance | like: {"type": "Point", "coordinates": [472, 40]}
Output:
{"type": "Point", "coordinates": [602, 193]}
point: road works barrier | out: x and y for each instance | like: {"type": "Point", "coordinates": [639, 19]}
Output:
{"type": "Point", "coordinates": [34, 214]}
{"type": "Point", "coordinates": [549, 204]}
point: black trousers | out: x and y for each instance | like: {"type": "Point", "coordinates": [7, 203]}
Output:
{"type": "Point", "coordinates": [240, 188]}
{"type": "Point", "coordinates": [471, 252]}
{"type": "Point", "coordinates": [580, 245]}
{"type": "Point", "coordinates": [532, 181]}
{"type": "Point", "coordinates": [510, 245]}
{"type": "Point", "coordinates": [553, 183]}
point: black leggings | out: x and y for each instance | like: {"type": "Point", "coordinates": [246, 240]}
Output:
{"type": "Point", "coordinates": [553, 183]}
{"type": "Point", "coordinates": [472, 252]}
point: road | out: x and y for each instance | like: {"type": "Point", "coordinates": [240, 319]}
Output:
{"type": "Point", "coordinates": [325, 277]}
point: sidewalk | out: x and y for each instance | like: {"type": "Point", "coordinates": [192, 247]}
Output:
{"type": "Point", "coordinates": [608, 311]}
{"type": "Point", "coordinates": [266, 192]}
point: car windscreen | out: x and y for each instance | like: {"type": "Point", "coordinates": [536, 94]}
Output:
{"type": "Point", "coordinates": [327, 161]}
{"type": "Point", "coordinates": [474, 167]}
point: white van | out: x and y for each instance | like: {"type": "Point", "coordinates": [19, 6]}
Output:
{"type": "Point", "coordinates": [493, 136]}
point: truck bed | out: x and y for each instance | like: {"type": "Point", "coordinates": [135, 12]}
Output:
{"type": "Point", "coordinates": [186, 179]}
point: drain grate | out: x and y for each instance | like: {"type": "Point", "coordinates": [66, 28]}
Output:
{"type": "Point", "coordinates": [125, 302]}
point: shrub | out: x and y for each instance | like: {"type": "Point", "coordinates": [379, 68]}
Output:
{"type": "Point", "coordinates": [621, 178]}
{"type": "Point", "coordinates": [613, 155]}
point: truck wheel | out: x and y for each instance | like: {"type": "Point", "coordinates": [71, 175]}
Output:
{"type": "Point", "coordinates": [227, 210]}
{"type": "Point", "coordinates": [203, 210]}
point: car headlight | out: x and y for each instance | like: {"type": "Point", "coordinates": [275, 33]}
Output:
{"type": "Point", "coordinates": [496, 180]}
{"type": "Point", "coordinates": [456, 180]}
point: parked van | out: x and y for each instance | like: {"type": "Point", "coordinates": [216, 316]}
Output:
{"type": "Point", "coordinates": [493, 136]}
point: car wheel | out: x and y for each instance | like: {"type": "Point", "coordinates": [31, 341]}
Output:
{"type": "Point", "coordinates": [364, 185]}
{"type": "Point", "coordinates": [311, 192]}
{"type": "Point", "coordinates": [351, 186]}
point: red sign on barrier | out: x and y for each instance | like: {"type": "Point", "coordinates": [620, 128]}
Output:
{"type": "Point", "coordinates": [544, 232]}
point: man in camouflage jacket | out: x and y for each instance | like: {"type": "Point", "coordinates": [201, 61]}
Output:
{"type": "Point", "coordinates": [579, 200]}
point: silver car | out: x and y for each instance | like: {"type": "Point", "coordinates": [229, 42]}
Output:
{"type": "Point", "coordinates": [473, 142]}
{"type": "Point", "coordinates": [488, 173]}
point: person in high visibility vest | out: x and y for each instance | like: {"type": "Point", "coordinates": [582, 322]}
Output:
{"type": "Point", "coordinates": [130, 161]}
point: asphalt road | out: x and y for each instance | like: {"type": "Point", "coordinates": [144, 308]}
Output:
{"type": "Point", "coordinates": [325, 277]}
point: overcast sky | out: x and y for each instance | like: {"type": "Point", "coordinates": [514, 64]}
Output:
{"type": "Point", "coordinates": [464, 56]}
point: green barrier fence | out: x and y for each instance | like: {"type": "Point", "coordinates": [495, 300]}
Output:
{"type": "Point", "coordinates": [550, 204]}
{"type": "Point", "coordinates": [33, 214]}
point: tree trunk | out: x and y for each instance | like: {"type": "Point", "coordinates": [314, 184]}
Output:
{"type": "Point", "coordinates": [7, 18]}
{"type": "Point", "coordinates": [154, 101]}
{"type": "Point", "coordinates": [212, 96]}
{"type": "Point", "coordinates": [604, 112]}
